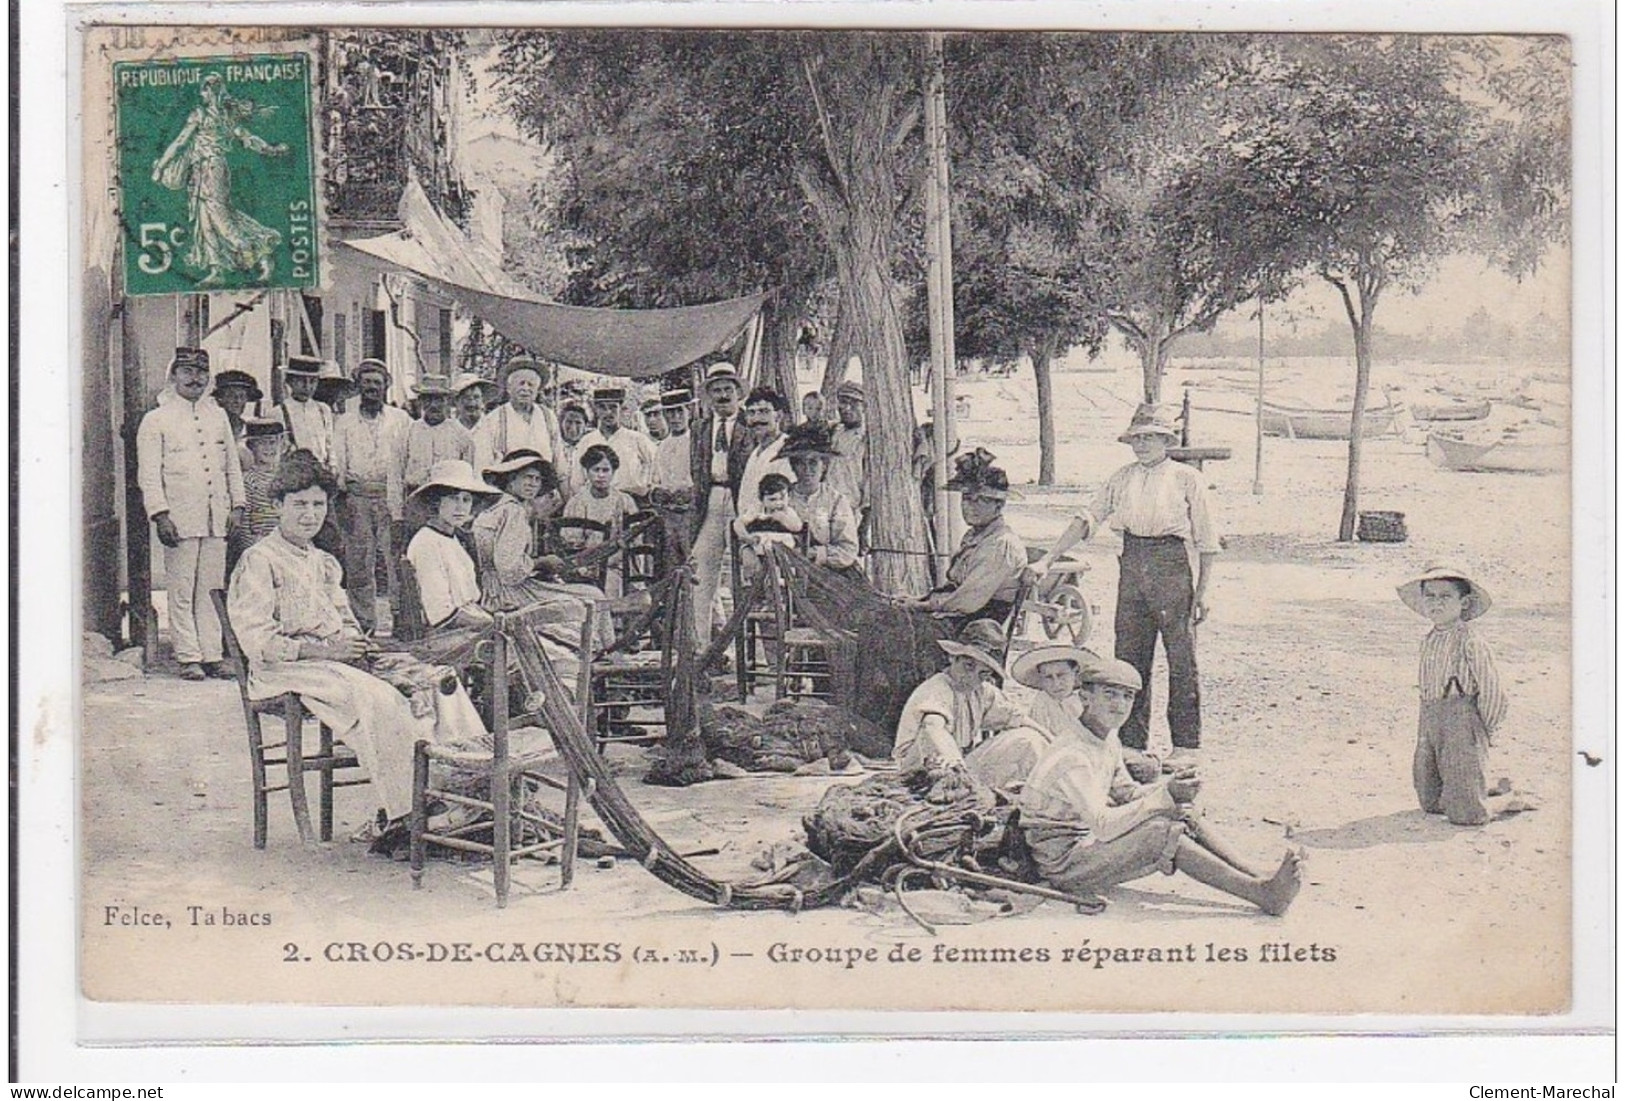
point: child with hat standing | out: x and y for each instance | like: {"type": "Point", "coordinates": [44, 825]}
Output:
{"type": "Point", "coordinates": [1462, 700]}
{"type": "Point", "coordinates": [263, 442]}
{"type": "Point", "coordinates": [1170, 541]}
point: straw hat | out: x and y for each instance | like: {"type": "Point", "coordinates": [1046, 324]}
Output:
{"type": "Point", "coordinates": [429, 385]}
{"type": "Point", "coordinates": [468, 379]}
{"type": "Point", "coordinates": [310, 366]}
{"type": "Point", "coordinates": [1112, 671]}
{"type": "Point", "coordinates": [981, 640]}
{"type": "Point", "coordinates": [1478, 598]}
{"type": "Point", "coordinates": [676, 399]}
{"type": "Point", "coordinates": [515, 461]}
{"type": "Point", "coordinates": [1025, 668]}
{"type": "Point", "coordinates": [366, 365]}
{"type": "Point", "coordinates": [722, 372]}
{"type": "Point", "coordinates": [256, 429]}
{"type": "Point", "coordinates": [521, 363]}
{"type": "Point", "coordinates": [455, 474]}
{"type": "Point", "coordinates": [1151, 420]}
{"type": "Point", "coordinates": [609, 394]}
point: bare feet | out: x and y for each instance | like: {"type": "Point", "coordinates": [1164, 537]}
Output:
{"type": "Point", "coordinates": [1280, 889]}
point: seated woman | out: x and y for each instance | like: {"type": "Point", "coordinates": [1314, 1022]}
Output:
{"type": "Point", "coordinates": [985, 574]}
{"type": "Point", "coordinates": [510, 576]}
{"type": "Point", "coordinates": [448, 584]}
{"type": "Point", "coordinates": [949, 717]}
{"type": "Point", "coordinates": [294, 622]}
{"type": "Point", "coordinates": [832, 526]}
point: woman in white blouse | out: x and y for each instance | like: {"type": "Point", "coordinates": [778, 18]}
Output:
{"type": "Point", "coordinates": [294, 622]}
{"type": "Point", "coordinates": [448, 583]}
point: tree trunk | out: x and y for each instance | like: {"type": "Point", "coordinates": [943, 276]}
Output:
{"type": "Point", "coordinates": [780, 325]}
{"type": "Point", "coordinates": [1153, 362]}
{"type": "Point", "coordinates": [1042, 355]}
{"type": "Point", "coordinates": [1360, 313]}
{"type": "Point", "coordinates": [838, 356]}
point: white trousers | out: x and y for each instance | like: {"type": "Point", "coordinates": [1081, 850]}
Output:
{"type": "Point", "coordinates": [710, 559]}
{"type": "Point", "coordinates": [190, 571]}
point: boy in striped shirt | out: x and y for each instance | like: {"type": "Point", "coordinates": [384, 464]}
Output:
{"type": "Point", "coordinates": [1462, 701]}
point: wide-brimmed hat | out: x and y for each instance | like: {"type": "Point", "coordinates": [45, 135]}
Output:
{"type": "Point", "coordinates": [980, 639]}
{"type": "Point", "coordinates": [456, 474]}
{"type": "Point", "coordinates": [469, 378]}
{"type": "Point", "coordinates": [676, 399]}
{"type": "Point", "coordinates": [976, 476]}
{"type": "Point", "coordinates": [310, 366]}
{"type": "Point", "coordinates": [1025, 668]}
{"type": "Point", "coordinates": [370, 365]}
{"type": "Point", "coordinates": [723, 372]}
{"type": "Point", "coordinates": [1477, 599]}
{"type": "Point", "coordinates": [804, 440]}
{"type": "Point", "coordinates": [1111, 671]}
{"type": "Point", "coordinates": [1151, 420]}
{"type": "Point", "coordinates": [190, 357]}
{"type": "Point", "coordinates": [522, 363]}
{"type": "Point", "coordinates": [239, 378]}
{"type": "Point", "coordinates": [515, 461]}
{"type": "Point", "coordinates": [429, 385]}
{"type": "Point", "coordinates": [257, 429]}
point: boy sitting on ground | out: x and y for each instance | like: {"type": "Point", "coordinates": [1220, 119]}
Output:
{"type": "Point", "coordinates": [1091, 826]}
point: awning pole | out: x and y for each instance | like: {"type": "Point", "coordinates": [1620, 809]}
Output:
{"type": "Point", "coordinates": [939, 254]}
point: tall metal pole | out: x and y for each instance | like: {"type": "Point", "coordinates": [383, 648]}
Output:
{"type": "Point", "coordinates": [939, 287]}
{"type": "Point", "coordinates": [1258, 412]}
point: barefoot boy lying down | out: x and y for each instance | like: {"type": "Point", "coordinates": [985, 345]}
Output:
{"type": "Point", "coordinates": [1090, 826]}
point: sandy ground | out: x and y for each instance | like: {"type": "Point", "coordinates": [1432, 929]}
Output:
{"type": "Point", "coordinates": [1308, 686]}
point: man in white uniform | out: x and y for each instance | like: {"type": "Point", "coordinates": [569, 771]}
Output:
{"type": "Point", "coordinates": [192, 488]}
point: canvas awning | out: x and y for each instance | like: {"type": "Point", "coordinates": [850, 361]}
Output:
{"type": "Point", "coordinates": [626, 343]}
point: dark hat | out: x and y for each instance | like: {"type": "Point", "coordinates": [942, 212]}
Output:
{"type": "Point", "coordinates": [573, 407]}
{"type": "Point", "coordinates": [807, 439]}
{"type": "Point", "coordinates": [429, 385]}
{"type": "Point", "coordinates": [366, 365]}
{"type": "Point", "coordinates": [609, 393]}
{"type": "Point", "coordinates": [238, 378]}
{"type": "Point", "coordinates": [190, 357]}
{"type": "Point", "coordinates": [849, 390]}
{"type": "Point", "coordinates": [675, 399]}
{"type": "Point", "coordinates": [261, 429]}
{"type": "Point", "coordinates": [303, 365]}
{"type": "Point", "coordinates": [975, 475]}
{"type": "Point", "coordinates": [981, 639]}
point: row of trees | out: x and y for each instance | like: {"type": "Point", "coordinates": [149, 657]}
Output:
{"type": "Point", "coordinates": [1139, 184]}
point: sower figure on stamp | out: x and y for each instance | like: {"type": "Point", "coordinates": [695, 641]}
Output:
{"type": "Point", "coordinates": [1091, 826]}
{"type": "Point", "coordinates": [367, 445]}
{"type": "Point", "coordinates": [192, 488]}
{"type": "Point", "coordinates": [1170, 541]}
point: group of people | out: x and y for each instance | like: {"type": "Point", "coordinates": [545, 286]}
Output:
{"type": "Point", "coordinates": [264, 491]}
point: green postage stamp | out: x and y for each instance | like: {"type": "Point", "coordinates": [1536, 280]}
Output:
{"type": "Point", "coordinates": [217, 174]}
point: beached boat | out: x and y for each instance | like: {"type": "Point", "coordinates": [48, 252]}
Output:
{"type": "Point", "coordinates": [1452, 411]}
{"type": "Point", "coordinates": [1325, 424]}
{"type": "Point", "coordinates": [1503, 456]}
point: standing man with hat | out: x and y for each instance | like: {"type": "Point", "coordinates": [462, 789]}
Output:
{"type": "Point", "coordinates": [1170, 541]}
{"type": "Point", "coordinates": [720, 448]}
{"type": "Point", "coordinates": [984, 575]}
{"type": "Point", "coordinates": [233, 390]}
{"type": "Point", "coordinates": [436, 437]}
{"type": "Point", "coordinates": [472, 395]}
{"type": "Point", "coordinates": [849, 471]}
{"type": "Point", "coordinates": [191, 482]}
{"type": "Point", "coordinates": [673, 492]}
{"type": "Point", "coordinates": [308, 422]}
{"type": "Point", "coordinates": [521, 423]}
{"type": "Point", "coordinates": [635, 475]}
{"type": "Point", "coordinates": [367, 445]}
{"type": "Point", "coordinates": [654, 418]}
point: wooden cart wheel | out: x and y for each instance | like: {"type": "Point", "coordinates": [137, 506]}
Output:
{"type": "Point", "coordinates": [1068, 610]}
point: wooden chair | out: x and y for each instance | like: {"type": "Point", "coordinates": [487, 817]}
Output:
{"type": "Point", "coordinates": [331, 756]}
{"type": "Point", "coordinates": [410, 623]}
{"type": "Point", "coordinates": [630, 679]}
{"type": "Point", "coordinates": [501, 769]}
{"type": "Point", "coordinates": [556, 543]}
{"type": "Point", "coordinates": [645, 563]}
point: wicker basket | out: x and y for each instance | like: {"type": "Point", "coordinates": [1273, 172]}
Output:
{"type": "Point", "coordinates": [1382, 527]}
